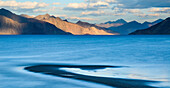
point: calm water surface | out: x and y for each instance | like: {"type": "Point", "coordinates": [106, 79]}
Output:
{"type": "Point", "coordinates": [144, 57]}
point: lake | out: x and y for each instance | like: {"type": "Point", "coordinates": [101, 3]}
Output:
{"type": "Point", "coordinates": [135, 57]}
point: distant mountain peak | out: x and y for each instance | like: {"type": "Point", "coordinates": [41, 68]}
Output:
{"type": "Point", "coordinates": [27, 16]}
{"type": "Point", "coordinates": [146, 22]}
{"type": "Point", "coordinates": [65, 20]}
{"type": "Point", "coordinates": [157, 29]}
{"type": "Point", "coordinates": [135, 22]}
{"type": "Point", "coordinates": [84, 23]}
{"type": "Point", "coordinates": [58, 18]}
{"type": "Point", "coordinates": [117, 21]}
{"type": "Point", "coordinates": [53, 16]}
{"type": "Point", "coordinates": [5, 11]}
{"type": "Point", "coordinates": [157, 21]}
{"type": "Point", "coordinates": [47, 14]}
{"type": "Point", "coordinates": [79, 22]}
{"type": "Point", "coordinates": [149, 24]}
{"type": "Point", "coordinates": [47, 17]}
{"type": "Point", "coordinates": [120, 21]}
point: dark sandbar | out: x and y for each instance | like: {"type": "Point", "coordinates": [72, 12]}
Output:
{"type": "Point", "coordinates": [114, 82]}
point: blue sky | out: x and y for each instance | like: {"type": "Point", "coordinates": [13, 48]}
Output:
{"type": "Point", "coordinates": [93, 11]}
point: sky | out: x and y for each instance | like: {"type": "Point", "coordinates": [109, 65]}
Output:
{"type": "Point", "coordinates": [93, 11]}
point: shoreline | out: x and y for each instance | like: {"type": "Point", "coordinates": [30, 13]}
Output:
{"type": "Point", "coordinates": [113, 82]}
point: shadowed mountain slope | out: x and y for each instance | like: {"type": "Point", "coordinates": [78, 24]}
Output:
{"type": "Point", "coordinates": [128, 28]}
{"type": "Point", "coordinates": [11, 23]}
{"type": "Point", "coordinates": [116, 23]}
{"type": "Point", "coordinates": [26, 16]}
{"type": "Point", "coordinates": [149, 24]}
{"type": "Point", "coordinates": [88, 25]}
{"type": "Point", "coordinates": [158, 29]}
{"type": "Point", "coordinates": [72, 27]}
{"type": "Point", "coordinates": [133, 26]}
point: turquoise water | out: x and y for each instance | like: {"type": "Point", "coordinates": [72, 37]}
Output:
{"type": "Point", "coordinates": [144, 57]}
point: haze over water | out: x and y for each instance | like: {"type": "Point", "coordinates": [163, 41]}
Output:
{"type": "Point", "coordinates": [142, 57]}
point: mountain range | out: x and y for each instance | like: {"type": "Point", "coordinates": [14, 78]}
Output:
{"type": "Point", "coordinates": [116, 23]}
{"type": "Point", "coordinates": [76, 29]}
{"type": "Point", "coordinates": [132, 26]}
{"type": "Point", "coordinates": [11, 23]}
{"type": "Point", "coordinates": [149, 24]}
{"type": "Point", "coordinates": [158, 29]}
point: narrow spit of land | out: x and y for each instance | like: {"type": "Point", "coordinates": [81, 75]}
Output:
{"type": "Point", "coordinates": [114, 82]}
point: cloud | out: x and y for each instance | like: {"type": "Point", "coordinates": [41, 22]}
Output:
{"type": "Point", "coordinates": [22, 6]}
{"type": "Point", "coordinates": [160, 10]}
{"type": "Point", "coordinates": [76, 6]}
{"type": "Point", "coordinates": [147, 15]}
{"type": "Point", "coordinates": [63, 15]}
{"type": "Point", "coordinates": [111, 1]}
{"type": "Point", "coordinates": [107, 1]}
{"type": "Point", "coordinates": [132, 10]}
{"type": "Point", "coordinates": [99, 4]}
{"type": "Point", "coordinates": [140, 4]}
{"type": "Point", "coordinates": [87, 6]}
{"type": "Point", "coordinates": [123, 10]}
{"type": "Point", "coordinates": [80, 18]}
{"type": "Point", "coordinates": [92, 1]}
{"type": "Point", "coordinates": [93, 13]}
{"type": "Point", "coordinates": [40, 10]}
{"type": "Point", "coordinates": [56, 3]}
{"type": "Point", "coordinates": [100, 13]}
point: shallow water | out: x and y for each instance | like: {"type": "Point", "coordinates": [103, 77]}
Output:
{"type": "Point", "coordinates": [144, 57]}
